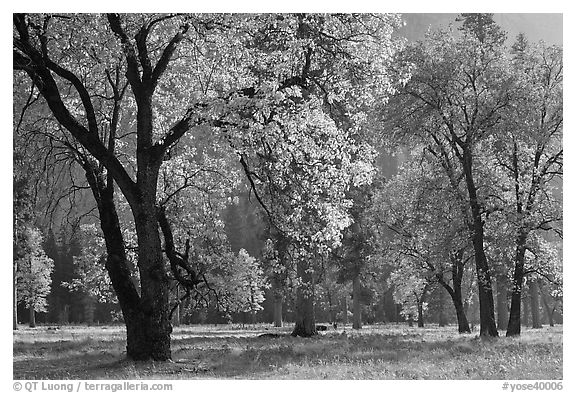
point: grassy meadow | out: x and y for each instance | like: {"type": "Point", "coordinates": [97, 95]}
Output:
{"type": "Point", "coordinates": [388, 351]}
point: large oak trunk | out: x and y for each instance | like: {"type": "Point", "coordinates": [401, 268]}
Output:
{"type": "Point", "coordinates": [155, 293]}
{"type": "Point", "coordinates": [305, 319]}
{"type": "Point", "coordinates": [147, 325]}
{"type": "Point", "coordinates": [356, 305]}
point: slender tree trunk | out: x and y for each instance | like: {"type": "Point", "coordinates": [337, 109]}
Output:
{"type": "Point", "coordinates": [420, 314]}
{"type": "Point", "coordinates": [534, 305]}
{"type": "Point", "coordinates": [356, 305]}
{"type": "Point", "coordinates": [32, 317]}
{"type": "Point", "coordinates": [502, 301]}
{"type": "Point", "coordinates": [305, 319]}
{"type": "Point", "coordinates": [278, 309]}
{"type": "Point", "coordinates": [514, 322]}
{"type": "Point", "coordinates": [486, 300]}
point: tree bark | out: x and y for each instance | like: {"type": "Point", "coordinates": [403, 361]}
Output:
{"type": "Point", "coordinates": [534, 304]}
{"type": "Point", "coordinates": [154, 297]}
{"type": "Point", "coordinates": [502, 301]}
{"type": "Point", "coordinates": [356, 304]}
{"type": "Point", "coordinates": [305, 319]}
{"type": "Point", "coordinates": [514, 322]}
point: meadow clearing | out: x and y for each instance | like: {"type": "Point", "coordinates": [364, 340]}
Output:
{"type": "Point", "coordinates": [391, 351]}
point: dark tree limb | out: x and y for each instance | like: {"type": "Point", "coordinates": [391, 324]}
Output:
{"type": "Point", "coordinates": [178, 261]}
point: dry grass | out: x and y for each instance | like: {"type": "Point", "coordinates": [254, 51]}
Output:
{"type": "Point", "coordinates": [375, 352]}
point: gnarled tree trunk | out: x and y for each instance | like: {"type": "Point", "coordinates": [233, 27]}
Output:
{"type": "Point", "coordinates": [154, 297]}
{"type": "Point", "coordinates": [144, 338]}
{"type": "Point", "coordinates": [305, 319]}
